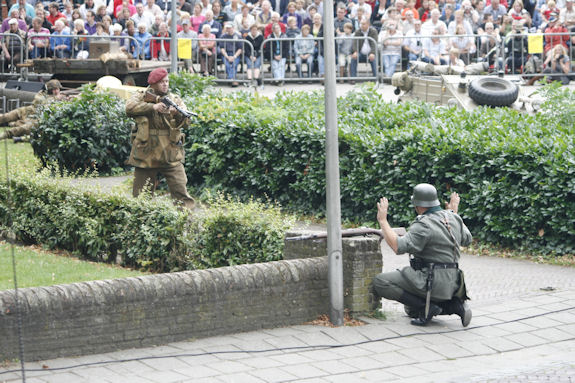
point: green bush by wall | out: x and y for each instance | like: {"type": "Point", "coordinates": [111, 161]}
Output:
{"type": "Point", "coordinates": [145, 233]}
{"type": "Point", "coordinates": [515, 172]}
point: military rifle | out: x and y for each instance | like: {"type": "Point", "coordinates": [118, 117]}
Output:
{"type": "Point", "coordinates": [344, 233]}
{"type": "Point", "coordinates": [348, 233]}
{"type": "Point", "coordinates": [154, 99]}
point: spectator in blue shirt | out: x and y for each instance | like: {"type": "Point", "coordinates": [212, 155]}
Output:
{"type": "Point", "coordinates": [143, 38]}
{"type": "Point", "coordinates": [61, 45]}
{"type": "Point", "coordinates": [30, 12]}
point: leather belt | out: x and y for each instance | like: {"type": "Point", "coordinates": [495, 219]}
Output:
{"type": "Point", "coordinates": [159, 132]}
{"type": "Point", "coordinates": [418, 265]}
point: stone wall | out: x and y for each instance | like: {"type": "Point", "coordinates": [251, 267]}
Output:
{"type": "Point", "coordinates": [102, 316]}
{"type": "Point", "coordinates": [362, 260]}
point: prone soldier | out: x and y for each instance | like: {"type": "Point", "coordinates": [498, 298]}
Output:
{"type": "Point", "coordinates": [22, 119]}
{"type": "Point", "coordinates": [433, 284]}
{"type": "Point", "coordinates": [157, 140]}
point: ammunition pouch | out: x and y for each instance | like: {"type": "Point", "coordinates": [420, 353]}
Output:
{"type": "Point", "coordinates": [141, 146]}
{"type": "Point", "coordinates": [175, 136]}
{"type": "Point", "coordinates": [143, 127]}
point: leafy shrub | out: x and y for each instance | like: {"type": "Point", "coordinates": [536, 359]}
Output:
{"type": "Point", "coordinates": [232, 233]}
{"type": "Point", "coordinates": [144, 233]}
{"type": "Point", "coordinates": [89, 132]}
{"type": "Point", "coordinates": [514, 171]}
{"type": "Point", "coordinates": [187, 84]}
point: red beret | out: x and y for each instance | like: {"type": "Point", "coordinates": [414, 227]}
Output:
{"type": "Point", "coordinates": [156, 75]}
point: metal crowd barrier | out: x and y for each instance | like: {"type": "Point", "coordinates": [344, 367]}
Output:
{"type": "Point", "coordinates": [515, 52]}
{"type": "Point", "coordinates": [77, 44]}
{"type": "Point", "coordinates": [363, 66]}
{"type": "Point", "coordinates": [219, 65]}
{"type": "Point", "coordinates": [16, 52]}
{"type": "Point", "coordinates": [503, 55]}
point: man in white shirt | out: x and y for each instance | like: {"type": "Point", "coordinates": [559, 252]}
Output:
{"type": "Point", "coordinates": [413, 42]}
{"type": "Point", "coordinates": [459, 19]}
{"type": "Point", "coordinates": [567, 16]}
{"type": "Point", "coordinates": [90, 5]}
{"type": "Point", "coordinates": [153, 8]}
{"type": "Point", "coordinates": [433, 23]}
{"type": "Point", "coordinates": [360, 4]}
{"type": "Point", "coordinates": [141, 16]}
{"type": "Point", "coordinates": [408, 24]}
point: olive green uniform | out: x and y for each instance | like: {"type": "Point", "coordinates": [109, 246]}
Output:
{"type": "Point", "coordinates": [428, 239]}
{"type": "Point", "coordinates": [22, 119]}
{"type": "Point", "coordinates": [157, 147]}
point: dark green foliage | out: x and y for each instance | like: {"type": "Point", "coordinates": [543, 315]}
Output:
{"type": "Point", "coordinates": [233, 233]}
{"type": "Point", "coordinates": [515, 172]}
{"type": "Point", "coordinates": [148, 234]}
{"type": "Point", "coordinates": [90, 132]}
{"type": "Point", "coordinates": [187, 84]}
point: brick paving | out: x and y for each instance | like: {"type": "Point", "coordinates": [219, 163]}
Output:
{"type": "Point", "coordinates": [521, 332]}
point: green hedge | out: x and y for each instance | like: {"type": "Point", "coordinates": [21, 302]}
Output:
{"type": "Point", "coordinates": [515, 172]}
{"type": "Point", "coordinates": [144, 233]}
{"type": "Point", "coordinates": [89, 132]}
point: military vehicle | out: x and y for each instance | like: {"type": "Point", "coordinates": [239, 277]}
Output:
{"type": "Point", "coordinates": [465, 87]}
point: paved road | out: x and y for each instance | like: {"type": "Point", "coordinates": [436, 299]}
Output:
{"type": "Point", "coordinates": [519, 333]}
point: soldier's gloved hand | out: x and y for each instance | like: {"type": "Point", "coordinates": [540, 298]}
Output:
{"type": "Point", "coordinates": [161, 108]}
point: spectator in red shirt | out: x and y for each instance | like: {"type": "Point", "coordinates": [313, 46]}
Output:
{"type": "Point", "coordinates": [55, 13]}
{"type": "Point", "coordinates": [275, 20]}
{"type": "Point", "coordinates": [555, 27]}
{"type": "Point", "coordinates": [161, 48]}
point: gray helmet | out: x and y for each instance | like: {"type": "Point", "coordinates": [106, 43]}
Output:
{"type": "Point", "coordinates": [424, 195]}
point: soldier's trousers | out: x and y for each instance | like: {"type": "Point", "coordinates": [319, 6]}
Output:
{"type": "Point", "coordinates": [17, 131]}
{"type": "Point", "coordinates": [175, 177]}
{"type": "Point", "coordinates": [392, 285]}
{"type": "Point", "coordinates": [16, 114]}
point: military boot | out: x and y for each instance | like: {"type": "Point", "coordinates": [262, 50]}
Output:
{"type": "Point", "coordinates": [412, 312]}
{"type": "Point", "coordinates": [417, 305]}
{"type": "Point", "coordinates": [458, 307]}
{"type": "Point", "coordinates": [21, 139]}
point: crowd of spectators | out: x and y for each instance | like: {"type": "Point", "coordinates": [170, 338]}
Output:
{"type": "Point", "coordinates": [441, 32]}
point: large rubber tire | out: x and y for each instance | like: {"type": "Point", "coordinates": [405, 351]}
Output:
{"type": "Point", "coordinates": [493, 91]}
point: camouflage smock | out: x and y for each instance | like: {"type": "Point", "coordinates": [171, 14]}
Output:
{"type": "Point", "coordinates": [157, 141]}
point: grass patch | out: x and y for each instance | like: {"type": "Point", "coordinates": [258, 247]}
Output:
{"type": "Point", "coordinates": [37, 267]}
{"type": "Point", "coordinates": [20, 158]}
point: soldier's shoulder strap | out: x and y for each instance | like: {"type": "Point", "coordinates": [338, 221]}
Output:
{"type": "Point", "coordinates": [445, 222]}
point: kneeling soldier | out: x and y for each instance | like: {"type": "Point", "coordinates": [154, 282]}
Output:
{"type": "Point", "coordinates": [433, 284]}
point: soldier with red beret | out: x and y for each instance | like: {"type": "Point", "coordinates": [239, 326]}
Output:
{"type": "Point", "coordinates": [157, 141]}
